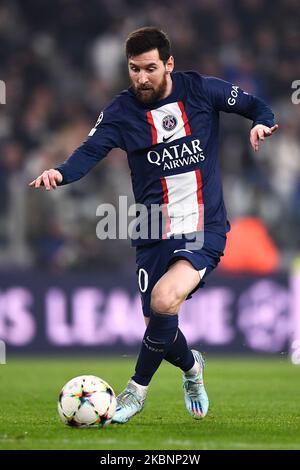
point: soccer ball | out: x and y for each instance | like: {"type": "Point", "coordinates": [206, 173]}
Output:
{"type": "Point", "coordinates": [85, 401]}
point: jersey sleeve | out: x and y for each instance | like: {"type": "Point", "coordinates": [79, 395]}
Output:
{"type": "Point", "coordinates": [225, 96]}
{"type": "Point", "coordinates": [104, 136]}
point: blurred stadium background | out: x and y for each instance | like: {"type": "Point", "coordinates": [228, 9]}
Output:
{"type": "Point", "coordinates": [62, 289]}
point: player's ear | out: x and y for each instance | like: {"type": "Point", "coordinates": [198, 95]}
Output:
{"type": "Point", "coordinates": [170, 64]}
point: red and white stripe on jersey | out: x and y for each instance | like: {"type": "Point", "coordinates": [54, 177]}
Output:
{"type": "Point", "coordinates": [183, 208]}
{"type": "Point", "coordinates": [155, 119]}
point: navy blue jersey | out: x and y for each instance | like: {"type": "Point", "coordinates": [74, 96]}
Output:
{"type": "Point", "coordinates": [172, 149]}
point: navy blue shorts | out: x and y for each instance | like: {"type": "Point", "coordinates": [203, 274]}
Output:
{"type": "Point", "coordinates": [154, 259]}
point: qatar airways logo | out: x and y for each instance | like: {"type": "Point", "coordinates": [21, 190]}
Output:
{"type": "Point", "coordinates": [177, 156]}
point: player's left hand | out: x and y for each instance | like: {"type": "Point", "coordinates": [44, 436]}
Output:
{"type": "Point", "coordinates": [259, 132]}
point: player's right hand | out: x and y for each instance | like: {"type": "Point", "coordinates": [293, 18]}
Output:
{"type": "Point", "coordinates": [49, 179]}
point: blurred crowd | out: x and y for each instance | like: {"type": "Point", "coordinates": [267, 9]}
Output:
{"type": "Point", "coordinates": [63, 60]}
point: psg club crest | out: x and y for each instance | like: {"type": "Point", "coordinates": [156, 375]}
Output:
{"type": "Point", "coordinates": [169, 122]}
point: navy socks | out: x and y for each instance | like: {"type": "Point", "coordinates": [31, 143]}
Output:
{"type": "Point", "coordinates": [158, 339]}
{"type": "Point", "coordinates": [159, 343]}
{"type": "Point", "coordinates": [179, 354]}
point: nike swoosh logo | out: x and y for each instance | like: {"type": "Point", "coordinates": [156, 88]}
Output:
{"type": "Point", "coordinates": [176, 251]}
{"type": "Point", "coordinates": [202, 272]}
{"type": "Point", "coordinates": [153, 342]}
{"type": "Point", "coordinates": [165, 139]}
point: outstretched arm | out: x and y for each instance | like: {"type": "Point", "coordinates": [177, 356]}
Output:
{"type": "Point", "coordinates": [225, 96]}
{"type": "Point", "coordinates": [102, 138]}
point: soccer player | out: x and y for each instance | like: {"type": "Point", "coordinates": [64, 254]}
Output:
{"type": "Point", "coordinates": [168, 123]}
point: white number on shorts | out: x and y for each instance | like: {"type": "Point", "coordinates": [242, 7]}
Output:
{"type": "Point", "coordinates": [143, 280]}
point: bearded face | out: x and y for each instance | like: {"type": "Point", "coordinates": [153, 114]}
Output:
{"type": "Point", "coordinates": [150, 93]}
{"type": "Point", "coordinates": [150, 76]}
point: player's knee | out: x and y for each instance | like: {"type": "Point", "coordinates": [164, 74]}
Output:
{"type": "Point", "coordinates": [165, 299]}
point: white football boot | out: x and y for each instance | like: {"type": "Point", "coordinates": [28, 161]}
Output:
{"type": "Point", "coordinates": [129, 402]}
{"type": "Point", "coordinates": [195, 396]}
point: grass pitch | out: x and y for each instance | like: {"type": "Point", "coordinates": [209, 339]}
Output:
{"type": "Point", "coordinates": [254, 405]}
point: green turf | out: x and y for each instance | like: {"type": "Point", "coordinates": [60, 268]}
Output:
{"type": "Point", "coordinates": [254, 405]}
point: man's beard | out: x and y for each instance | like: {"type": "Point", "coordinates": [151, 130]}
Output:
{"type": "Point", "coordinates": [152, 95]}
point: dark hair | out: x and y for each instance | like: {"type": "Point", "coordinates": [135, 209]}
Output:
{"type": "Point", "coordinates": [148, 38]}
